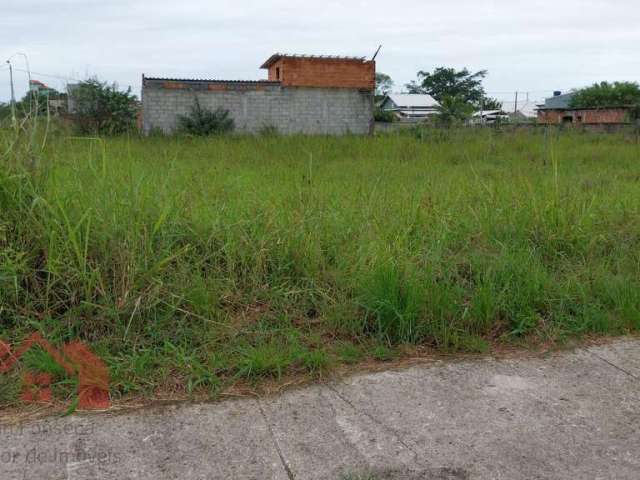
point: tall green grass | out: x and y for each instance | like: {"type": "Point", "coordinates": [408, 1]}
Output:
{"type": "Point", "coordinates": [189, 262]}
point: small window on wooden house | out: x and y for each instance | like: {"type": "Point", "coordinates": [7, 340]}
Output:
{"type": "Point", "coordinates": [277, 73]}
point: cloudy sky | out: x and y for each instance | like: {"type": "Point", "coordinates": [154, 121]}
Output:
{"type": "Point", "coordinates": [533, 46]}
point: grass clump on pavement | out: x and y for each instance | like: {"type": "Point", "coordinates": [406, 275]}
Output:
{"type": "Point", "coordinates": [187, 263]}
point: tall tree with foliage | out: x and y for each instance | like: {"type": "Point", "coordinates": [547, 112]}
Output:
{"type": "Point", "coordinates": [488, 103]}
{"type": "Point", "coordinates": [446, 82]}
{"type": "Point", "coordinates": [103, 109]}
{"type": "Point", "coordinates": [607, 94]}
{"type": "Point", "coordinates": [453, 110]}
{"type": "Point", "coordinates": [384, 84]}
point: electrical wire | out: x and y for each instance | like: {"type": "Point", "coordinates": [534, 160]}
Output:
{"type": "Point", "coordinates": [509, 92]}
{"type": "Point", "coordinates": [60, 77]}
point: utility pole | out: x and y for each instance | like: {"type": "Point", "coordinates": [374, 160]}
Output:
{"type": "Point", "coordinates": [26, 61]}
{"type": "Point", "coordinates": [13, 94]}
{"type": "Point", "coordinates": [515, 110]}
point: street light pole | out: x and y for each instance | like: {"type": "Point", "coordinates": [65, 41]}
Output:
{"type": "Point", "coordinates": [13, 94]}
{"type": "Point", "coordinates": [26, 61]}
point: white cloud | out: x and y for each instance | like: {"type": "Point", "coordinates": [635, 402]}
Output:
{"type": "Point", "coordinates": [535, 46]}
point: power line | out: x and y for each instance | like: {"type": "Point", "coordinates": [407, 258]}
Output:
{"type": "Point", "coordinates": [549, 90]}
{"type": "Point", "coordinates": [49, 75]}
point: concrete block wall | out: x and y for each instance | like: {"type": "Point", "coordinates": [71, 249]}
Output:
{"type": "Point", "coordinates": [256, 105]}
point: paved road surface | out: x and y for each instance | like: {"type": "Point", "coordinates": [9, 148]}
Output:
{"type": "Point", "coordinates": [569, 416]}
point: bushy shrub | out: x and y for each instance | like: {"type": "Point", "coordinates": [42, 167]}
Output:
{"type": "Point", "coordinates": [453, 111]}
{"type": "Point", "coordinates": [102, 109]}
{"type": "Point", "coordinates": [33, 104]}
{"type": "Point", "coordinates": [605, 94]}
{"type": "Point", "coordinates": [203, 121]}
{"type": "Point", "coordinates": [384, 116]}
{"type": "Point", "coordinates": [5, 111]}
{"type": "Point", "coordinates": [156, 132]}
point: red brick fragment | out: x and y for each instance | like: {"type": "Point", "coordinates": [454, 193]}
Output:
{"type": "Point", "coordinates": [76, 359]}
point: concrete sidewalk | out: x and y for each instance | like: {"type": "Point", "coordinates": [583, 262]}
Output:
{"type": "Point", "coordinates": [574, 416]}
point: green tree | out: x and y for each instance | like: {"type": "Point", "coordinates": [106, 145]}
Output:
{"type": "Point", "coordinates": [384, 116]}
{"type": "Point", "coordinates": [414, 87]}
{"type": "Point", "coordinates": [448, 82]}
{"type": "Point", "coordinates": [33, 103]}
{"type": "Point", "coordinates": [607, 94]}
{"type": "Point", "coordinates": [454, 110]}
{"type": "Point", "coordinates": [489, 103]}
{"type": "Point", "coordinates": [5, 110]}
{"type": "Point", "coordinates": [100, 108]}
{"type": "Point", "coordinates": [384, 84]}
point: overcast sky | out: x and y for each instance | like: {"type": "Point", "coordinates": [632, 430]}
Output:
{"type": "Point", "coordinates": [533, 46]}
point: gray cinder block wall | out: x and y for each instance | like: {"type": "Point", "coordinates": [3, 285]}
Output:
{"type": "Point", "coordinates": [257, 105]}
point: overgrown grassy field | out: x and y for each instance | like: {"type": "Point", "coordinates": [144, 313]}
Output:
{"type": "Point", "coordinates": [188, 264]}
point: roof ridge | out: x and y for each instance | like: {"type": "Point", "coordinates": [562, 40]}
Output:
{"type": "Point", "coordinates": [210, 80]}
{"type": "Point", "coordinates": [277, 56]}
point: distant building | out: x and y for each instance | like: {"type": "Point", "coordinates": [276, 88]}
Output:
{"type": "Point", "coordinates": [303, 94]}
{"type": "Point", "coordinates": [557, 110]}
{"type": "Point", "coordinates": [37, 86]}
{"type": "Point", "coordinates": [489, 117]}
{"type": "Point", "coordinates": [410, 106]}
{"type": "Point", "coordinates": [57, 101]}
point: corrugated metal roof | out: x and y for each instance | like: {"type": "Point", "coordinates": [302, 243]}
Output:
{"type": "Point", "coordinates": [412, 100]}
{"type": "Point", "coordinates": [212, 80]}
{"type": "Point", "coordinates": [277, 56]}
{"type": "Point", "coordinates": [416, 113]}
{"type": "Point", "coordinates": [488, 113]}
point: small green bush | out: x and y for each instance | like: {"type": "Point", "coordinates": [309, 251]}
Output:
{"type": "Point", "coordinates": [203, 121]}
{"type": "Point", "coordinates": [156, 132]}
{"type": "Point", "coordinates": [384, 116]}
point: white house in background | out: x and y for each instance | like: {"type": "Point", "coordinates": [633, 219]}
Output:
{"type": "Point", "coordinates": [523, 112]}
{"type": "Point", "coordinates": [489, 116]}
{"type": "Point", "coordinates": [410, 106]}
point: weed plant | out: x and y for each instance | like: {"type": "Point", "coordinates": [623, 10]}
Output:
{"type": "Point", "coordinates": [188, 263]}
